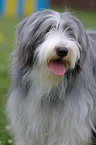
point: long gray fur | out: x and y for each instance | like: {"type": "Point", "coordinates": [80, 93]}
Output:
{"type": "Point", "coordinates": [66, 113]}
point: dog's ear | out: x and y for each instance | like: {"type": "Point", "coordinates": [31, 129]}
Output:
{"type": "Point", "coordinates": [84, 43]}
{"type": "Point", "coordinates": [25, 43]}
{"type": "Point", "coordinates": [23, 52]}
{"type": "Point", "coordinates": [83, 40]}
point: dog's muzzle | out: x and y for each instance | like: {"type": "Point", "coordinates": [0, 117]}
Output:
{"type": "Point", "coordinates": [58, 63]}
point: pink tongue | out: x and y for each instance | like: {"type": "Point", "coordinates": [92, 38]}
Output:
{"type": "Point", "coordinates": [57, 68]}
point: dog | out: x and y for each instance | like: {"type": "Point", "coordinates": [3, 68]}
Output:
{"type": "Point", "coordinates": [52, 97]}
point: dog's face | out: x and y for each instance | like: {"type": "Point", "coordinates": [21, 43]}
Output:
{"type": "Point", "coordinates": [52, 44]}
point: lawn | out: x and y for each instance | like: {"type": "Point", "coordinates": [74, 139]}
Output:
{"type": "Point", "coordinates": [7, 29]}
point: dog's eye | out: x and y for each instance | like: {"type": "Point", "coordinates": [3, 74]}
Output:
{"type": "Point", "coordinates": [50, 28]}
{"type": "Point", "coordinates": [69, 31]}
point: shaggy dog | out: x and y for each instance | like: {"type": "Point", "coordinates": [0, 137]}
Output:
{"type": "Point", "coordinates": [53, 92]}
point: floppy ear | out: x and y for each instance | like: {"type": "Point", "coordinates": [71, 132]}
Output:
{"type": "Point", "coordinates": [83, 40]}
{"type": "Point", "coordinates": [24, 47]}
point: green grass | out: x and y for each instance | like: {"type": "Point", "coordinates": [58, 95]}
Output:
{"type": "Point", "coordinates": [7, 28]}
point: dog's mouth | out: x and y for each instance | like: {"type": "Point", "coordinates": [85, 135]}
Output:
{"type": "Point", "coordinates": [58, 66]}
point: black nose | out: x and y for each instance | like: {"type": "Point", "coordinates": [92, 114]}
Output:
{"type": "Point", "coordinates": [62, 51]}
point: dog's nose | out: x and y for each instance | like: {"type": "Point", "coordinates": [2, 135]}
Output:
{"type": "Point", "coordinates": [62, 51]}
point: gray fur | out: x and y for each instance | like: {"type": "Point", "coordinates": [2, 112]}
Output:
{"type": "Point", "coordinates": [66, 113]}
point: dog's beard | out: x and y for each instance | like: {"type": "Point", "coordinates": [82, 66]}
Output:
{"type": "Point", "coordinates": [51, 91]}
{"type": "Point", "coordinates": [56, 95]}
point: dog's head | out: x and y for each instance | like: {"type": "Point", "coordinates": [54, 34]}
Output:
{"type": "Point", "coordinates": [52, 44]}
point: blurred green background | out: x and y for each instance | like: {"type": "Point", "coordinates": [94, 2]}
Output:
{"type": "Point", "coordinates": [7, 31]}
